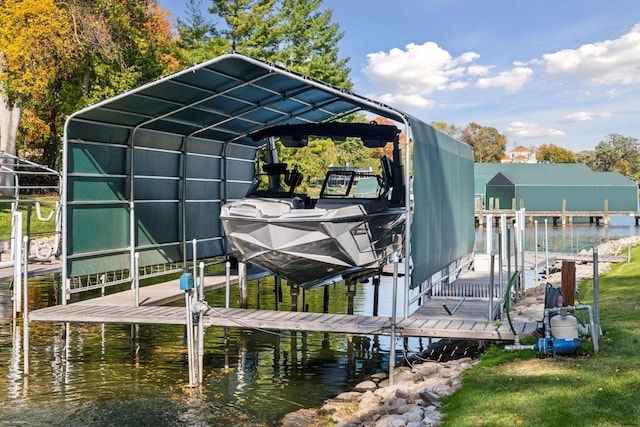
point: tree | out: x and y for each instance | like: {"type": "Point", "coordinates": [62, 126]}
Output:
{"type": "Point", "coordinates": [451, 130]}
{"type": "Point", "coordinates": [488, 144]}
{"type": "Point", "coordinates": [36, 50]}
{"type": "Point", "coordinates": [199, 39]}
{"type": "Point", "coordinates": [307, 42]}
{"type": "Point", "coordinates": [246, 21]}
{"type": "Point", "coordinates": [292, 33]}
{"type": "Point", "coordinates": [618, 154]}
{"type": "Point", "coordinates": [554, 154]}
{"type": "Point", "coordinates": [61, 56]}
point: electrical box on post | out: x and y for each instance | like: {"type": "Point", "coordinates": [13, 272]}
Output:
{"type": "Point", "coordinates": [186, 282]}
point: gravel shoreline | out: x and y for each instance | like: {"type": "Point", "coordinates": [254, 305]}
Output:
{"type": "Point", "coordinates": [414, 398]}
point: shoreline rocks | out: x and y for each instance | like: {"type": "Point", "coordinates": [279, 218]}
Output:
{"type": "Point", "coordinates": [413, 399]}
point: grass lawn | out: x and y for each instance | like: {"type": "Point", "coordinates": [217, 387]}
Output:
{"type": "Point", "coordinates": [602, 389]}
{"type": "Point", "coordinates": [47, 205]}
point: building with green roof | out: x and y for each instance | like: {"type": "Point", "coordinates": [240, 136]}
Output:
{"type": "Point", "coordinates": [554, 187]}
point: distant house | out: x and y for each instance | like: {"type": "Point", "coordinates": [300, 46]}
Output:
{"type": "Point", "coordinates": [520, 154]}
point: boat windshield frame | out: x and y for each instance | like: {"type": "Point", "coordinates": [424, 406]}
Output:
{"type": "Point", "coordinates": [350, 180]}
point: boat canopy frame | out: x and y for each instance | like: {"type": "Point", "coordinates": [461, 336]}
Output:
{"type": "Point", "coordinates": [146, 172]}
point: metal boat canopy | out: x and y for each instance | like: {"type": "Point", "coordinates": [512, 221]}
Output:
{"type": "Point", "coordinates": [147, 171]}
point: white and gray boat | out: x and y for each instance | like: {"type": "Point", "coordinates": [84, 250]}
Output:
{"type": "Point", "coordinates": [351, 230]}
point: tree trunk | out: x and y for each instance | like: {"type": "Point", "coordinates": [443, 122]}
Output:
{"type": "Point", "coordinates": [9, 121]}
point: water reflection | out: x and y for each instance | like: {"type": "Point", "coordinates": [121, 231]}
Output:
{"type": "Point", "coordinates": [569, 238]}
{"type": "Point", "coordinates": [91, 375]}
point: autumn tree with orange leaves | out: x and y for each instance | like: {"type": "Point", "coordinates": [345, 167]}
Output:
{"type": "Point", "coordinates": [57, 57]}
{"type": "Point", "coordinates": [35, 49]}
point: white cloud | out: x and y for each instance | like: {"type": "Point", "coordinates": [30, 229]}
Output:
{"type": "Point", "coordinates": [511, 81]}
{"type": "Point", "coordinates": [479, 70]}
{"type": "Point", "coordinates": [606, 62]}
{"type": "Point", "coordinates": [522, 130]}
{"type": "Point", "coordinates": [415, 101]}
{"type": "Point", "coordinates": [580, 116]}
{"type": "Point", "coordinates": [583, 116]}
{"type": "Point", "coordinates": [418, 71]}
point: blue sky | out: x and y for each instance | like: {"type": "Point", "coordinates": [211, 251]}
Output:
{"type": "Point", "coordinates": [539, 71]}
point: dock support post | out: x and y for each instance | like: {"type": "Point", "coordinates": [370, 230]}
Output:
{"type": "Point", "coordinates": [25, 310]}
{"type": "Point", "coordinates": [564, 211]}
{"type": "Point", "coordinates": [606, 211]}
{"type": "Point", "coordinates": [535, 253]}
{"type": "Point", "coordinates": [295, 291]}
{"type": "Point", "coordinates": [522, 240]}
{"type": "Point", "coordinates": [392, 339]}
{"type": "Point", "coordinates": [277, 291]}
{"type": "Point", "coordinates": [376, 294]}
{"type": "Point", "coordinates": [200, 347]}
{"type": "Point", "coordinates": [242, 280]}
{"type": "Point", "coordinates": [596, 292]}
{"type": "Point", "coordinates": [258, 293]}
{"type": "Point", "coordinates": [227, 285]}
{"type": "Point", "coordinates": [489, 233]}
{"type": "Point", "coordinates": [325, 299]}
{"type": "Point", "coordinates": [491, 286]}
{"type": "Point", "coordinates": [17, 262]}
{"type": "Point", "coordinates": [201, 326]}
{"type": "Point", "coordinates": [508, 241]}
{"type": "Point", "coordinates": [351, 293]}
{"type": "Point", "coordinates": [135, 344]}
{"type": "Point", "coordinates": [569, 281]}
{"type": "Point", "coordinates": [546, 250]}
{"type": "Point", "coordinates": [136, 278]}
{"type": "Point", "coordinates": [190, 343]}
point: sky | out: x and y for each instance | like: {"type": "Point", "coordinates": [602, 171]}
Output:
{"type": "Point", "coordinates": [563, 72]}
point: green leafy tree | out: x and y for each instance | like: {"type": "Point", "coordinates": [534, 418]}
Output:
{"type": "Point", "coordinates": [451, 130]}
{"type": "Point", "coordinates": [554, 154]}
{"type": "Point", "coordinates": [293, 33]}
{"type": "Point", "coordinates": [312, 161]}
{"type": "Point", "coordinates": [199, 39]}
{"type": "Point", "coordinates": [617, 154]}
{"type": "Point", "coordinates": [488, 144]}
{"type": "Point", "coordinates": [247, 22]}
{"type": "Point", "coordinates": [588, 157]}
{"type": "Point", "coordinates": [307, 42]}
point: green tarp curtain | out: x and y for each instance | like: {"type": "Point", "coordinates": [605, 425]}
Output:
{"type": "Point", "coordinates": [443, 221]}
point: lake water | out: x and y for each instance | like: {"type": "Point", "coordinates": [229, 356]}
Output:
{"type": "Point", "coordinates": [91, 376]}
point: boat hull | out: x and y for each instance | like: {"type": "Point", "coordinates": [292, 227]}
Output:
{"type": "Point", "coordinates": [312, 246]}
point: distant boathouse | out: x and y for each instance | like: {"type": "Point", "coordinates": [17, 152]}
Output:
{"type": "Point", "coordinates": [554, 190]}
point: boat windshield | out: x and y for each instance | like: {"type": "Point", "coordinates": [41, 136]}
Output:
{"type": "Point", "coordinates": [351, 184]}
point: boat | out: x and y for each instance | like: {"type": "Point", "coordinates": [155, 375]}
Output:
{"type": "Point", "coordinates": [349, 232]}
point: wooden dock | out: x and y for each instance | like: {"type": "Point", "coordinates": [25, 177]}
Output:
{"type": "Point", "coordinates": [416, 325]}
{"type": "Point", "coordinates": [36, 268]}
{"type": "Point", "coordinates": [470, 321]}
